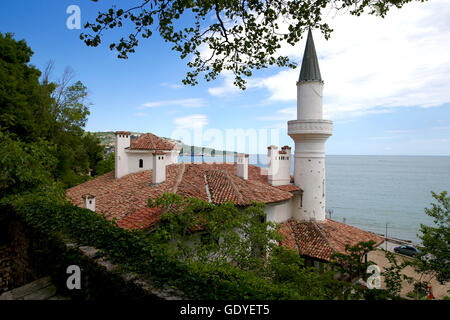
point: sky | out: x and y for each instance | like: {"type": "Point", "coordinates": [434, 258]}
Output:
{"type": "Point", "coordinates": [387, 82]}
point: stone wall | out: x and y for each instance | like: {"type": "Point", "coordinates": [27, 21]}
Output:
{"type": "Point", "coordinates": [24, 258]}
{"type": "Point", "coordinates": [5, 268]}
{"type": "Point", "coordinates": [15, 266]}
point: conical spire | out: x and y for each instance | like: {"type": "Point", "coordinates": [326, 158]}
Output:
{"type": "Point", "coordinates": [310, 66]}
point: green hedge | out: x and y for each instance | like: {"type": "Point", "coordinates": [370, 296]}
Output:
{"type": "Point", "coordinates": [132, 251]}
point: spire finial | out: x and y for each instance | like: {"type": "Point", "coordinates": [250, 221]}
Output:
{"type": "Point", "coordinates": [310, 65]}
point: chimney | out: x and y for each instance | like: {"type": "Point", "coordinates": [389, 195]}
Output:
{"type": "Point", "coordinates": [89, 201]}
{"type": "Point", "coordinates": [242, 165]}
{"type": "Point", "coordinates": [279, 171]}
{"type": "Point", "coordinates": [159, 167]}
{"type": "Point", "coordinates": [121, 160]}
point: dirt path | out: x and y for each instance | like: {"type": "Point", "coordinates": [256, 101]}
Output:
{"type": "Point", "coordinates": [439, 291]}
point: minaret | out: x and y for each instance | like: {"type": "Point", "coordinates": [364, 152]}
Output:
{"type": "Point", "coordinates": [310, 132]}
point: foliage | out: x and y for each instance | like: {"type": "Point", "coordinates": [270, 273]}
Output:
{"type": "Point", "coordinates": [434, 257]}
{"type": "Point", "coordinates": [393, 276]}
{"type": "Point", "coordinates": [24, 166]}
{"type": "Point", "coordinates": [136, 252]}
{"type": "Point", "coordinates": [45, 119]}
{"type": "Point", "coordinates": [354, 264]}
{"type": "Point", "coordinates": [22, 109]}
{"type": "Point", "coordinates": [241, 238]}
{"type": "Point", "coordinates": [105, 165]}
{"type": "Point", "coordinates": [228, 234]}
{"type": "Point", "coordinates": [225, 36]}
{"type": "Point", "coordinates": [283, 276]}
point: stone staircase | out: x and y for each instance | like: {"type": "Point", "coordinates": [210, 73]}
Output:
{"type": "Point", "coordinates": [41, 289]}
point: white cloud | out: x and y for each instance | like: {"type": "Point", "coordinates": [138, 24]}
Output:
{"type": "Point", "coordinates": [375, 65]}
{"type": "Point", "coordinates": [186, 103]}
{"type": "Point", "coordinates": [227, 88]}
{"type": "Point", "coordinates": [282, 114]}
{"type": "Point", "coordinates": [172, 85]}
{"type": "Point", "coordinates": [140, 114]}
{"type": "Point", "coordinates": [193, 121]}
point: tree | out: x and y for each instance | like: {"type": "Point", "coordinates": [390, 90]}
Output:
{"type": "Point", "coordinates": [105, 165]}
{"type": "Point", "coordinates": [434, 257]}
{"type": "Point", "coordinates": [220, 35]}
{"type": "Point", "coordinates": [23, 110]}
{"type": "Point", "coordinates": [44, 112]}
{"type": "Point", "coordinates": [393, 276]}
{"type": "Point", "coordinates": [221, 234]}
{"type": "Point", "coordinates": [223, 237]}
{"type": "Point", "coordinates": [24, 166]}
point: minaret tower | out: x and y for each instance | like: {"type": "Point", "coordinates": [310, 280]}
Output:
{"type": "Point", "coordinates": [310, 132]}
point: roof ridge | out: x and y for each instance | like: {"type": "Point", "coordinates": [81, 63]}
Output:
{"type": "Point", "coordinates": [208, 193]}
{"type": "Point", "coordinates": [293, 233]}
{"type": "Point", "coordinates": [179, 177]}
{"type": "Point", "coordinates": [314, 223]}
{"type": "Point", "coordinates": [240, 196]}
{"type": "Point", "coordinates": [149, 134]}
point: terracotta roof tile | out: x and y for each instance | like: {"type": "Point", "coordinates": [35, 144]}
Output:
{"type": "Point", "coordinates": [149, 141]}
{"type": "Point", "coordinates": [288, 187]}
{"type": "Point", "coordinates": [141, 219]}
{"type": "Point", "coordinates": [321, 239]}
{"type": "Point", "coordinates": [122, 132]}
{"type": "Point", "coordinates": [125, 198]}
{"type": "Point", "coordinates": [221, 188]}
{"type": "Point", "coordinates": [117, 198]}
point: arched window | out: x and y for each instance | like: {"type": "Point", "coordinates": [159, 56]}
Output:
{"type": "Point", "coordinates": [141, 163]}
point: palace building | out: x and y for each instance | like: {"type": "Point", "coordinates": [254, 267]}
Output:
{"type": "Point", "coordinates": [148, 166]}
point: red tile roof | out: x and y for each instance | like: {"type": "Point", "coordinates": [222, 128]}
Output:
{"type": "Point", "coordinates": [122, 132]}
{"type": "Point", "coordinates": [321, 239]}
{"type": "Point", "coordinates": [288, 187]}
{"type": "Point", "coordinates": [125, 199]}
{"type": "Point", "coordinates": [149, 141]}
{"type": "Point", "coordinates": [141, 219]}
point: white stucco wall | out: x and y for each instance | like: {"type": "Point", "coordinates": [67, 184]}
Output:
{"type": "Point", "coordinates": [159, 168]}
{"type": "Point", "coordinates": [279, 212]}
{"type": "Point", "coordinates": [279, 167]}
{"type": "Point", "coordinates": [242, 166]}
{"type": "Point", "coordinates": [310, 133]}
{"type": "Point", "coordinates": [133, 161]}
{"type": "Point", "coordinates": [309, 100]}
{"type": "Point", "coordinates": [309, 175]}
{"type": "Point", "coordinates": [127, 160]}
{"type": "Point", "coordinates": [89, 203]}
{"type": "Point", "coordinates": [121, 158]}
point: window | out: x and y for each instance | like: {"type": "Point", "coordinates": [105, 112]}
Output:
{"type": "Point", "coordinates": [141, 163]}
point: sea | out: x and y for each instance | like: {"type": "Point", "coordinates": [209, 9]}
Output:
{"type": "Point", "coordinates": [382, 194]}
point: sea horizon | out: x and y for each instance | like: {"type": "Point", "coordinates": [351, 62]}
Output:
{"type": "Point", "coordinates": [368, 191]}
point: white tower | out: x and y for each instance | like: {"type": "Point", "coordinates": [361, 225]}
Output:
{"type": "Point", "coordinates": [123, 139]}
{"type": "Point", "coordinates": [310, 133]}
